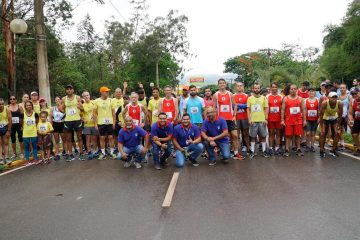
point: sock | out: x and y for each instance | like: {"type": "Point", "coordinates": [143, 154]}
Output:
{"type": "Point", "coordinates": [252, 146]}
{"type": "Point", "coordinates": [276, 148]}
{"type": "Point", "coordinates": [103, 151]}
{"type": "Point", "coordinates": [263, 145]}
{"type": "Point", "coordinates": [236, 152]}
{"type": "Point", "coordinates": [111, 150]}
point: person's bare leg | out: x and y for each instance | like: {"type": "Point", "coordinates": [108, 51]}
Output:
{"type": "Point", "coordinates": [235, 140]}
{"type": "Point", "coordinates": [277, 138]}
{"type": "Point", "coordinates": [356, 141]}
{"type": "Point", "coordinates": [79, 140]}
{"type": "Point", "coordinates": [68, 144]}
{"type": "Point", "coordinates": [56, 141]}
{"type": "Point", "coordinates": [6, 145]}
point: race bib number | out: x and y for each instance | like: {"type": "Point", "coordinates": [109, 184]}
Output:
{"type": "Point", "coordinates": [312, 113]}
{"type": "Point", "coordinates": [169, 115]}
{"type": "Point", "coordinates": [274, 109]}
{"type": "Point", "coordinates": [106, 121]}
{"type": "Point", "coordinates": [71, 111]}
{"type": "Point", "coordinates": [58, 116]}
{"type": "Point", "coordinates": [256, 108]}
{"type": "Point", "coordinates": [30, 122]}
{"type": "Point", "coordinates": [2, 125]}
{"type": "Point", "coordinates": [15, 120]}
{"type": "Point", "coordinates": [225, 108]}
{"type": "Point", "coordinates": [42, 128]}
{"type": "Point", "coordinates": [294, 110]}
{"type": "Point", "coordinates": [194, 110]}
{"type": "Point", "coordinates": [136, 122]}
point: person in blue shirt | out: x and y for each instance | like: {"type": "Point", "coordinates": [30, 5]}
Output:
{"type": "Point", "coordinates": [161, 135]}
{"type": "Point", "coordinates": [187, 142]}
{"type": "Point", "coordinates": [129, 143]}
{"type": "Point", "coordinates": [194, 106]}
{"type": "Point", "coordinates": [215, 133]}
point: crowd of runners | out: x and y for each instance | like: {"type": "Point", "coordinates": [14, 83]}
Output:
{"type": "Point", "coordinates": [223, 125]}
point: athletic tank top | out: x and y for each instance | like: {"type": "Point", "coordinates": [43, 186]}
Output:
{"type": "Point", "coordinates": [208, 102]}
{"type": "Point", "coordinates": [72, 111]}
{"type": "Point", "coordinates": [29, 126]}
{"type": "Point", "coordinates": [168, 107]}
{"type": "Point", "coordinates": [312, 110]}
{"type": "Point", "coordinates": [36, 107]}
{"type": "Point", "coordinates": [293, 114]}
{"type": "Point", "coordinates": [241, 98]}
{"type": "Point", "coordinates": [4, 118]}
{"type": "Point", "coordinates": [356, 109]}
{"type": "Point", "coordinates": [57, 115]}
{"type": "Point", "coordinates": [345, 103]}
{"type": "Point", "coordinates": [331, 113]}
{"type": "Point", "coordinates": [224, 105]}
{"type": "Point", "coordinates": [15, 116]}
{"type": "Point", "coordinates": [303, 94]}
{"type": "Point", "coordinates": [275, 102]}
{"type": "Point", "coordinates": [135, 113]}
{"type": "Point", "coordinates": [104, 111]}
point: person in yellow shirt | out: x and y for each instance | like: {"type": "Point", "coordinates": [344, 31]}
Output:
{"type": "Point", "coordinates": [89, 126]}
{"type": "Point", "coordinates": [116, 103]}
{"type": "Point", "coordinates": [5, 129]}
{"type": "Point", "coordinates": [257, 110]}
{"type": "Point", "coordinates": [34, 98]}
{"type": "Point", "coordinates": [31, 118]}
{"type": "Point", "coordinates": [153, 106]}
{"type": "Point", "coordinates": [44, 130]}
{"type": "Point", "coordinates": [44, 107]}
{"type": "Point", "coordinates": [72, 106]}
{"type": "Point", "coordinates": [104, 120]}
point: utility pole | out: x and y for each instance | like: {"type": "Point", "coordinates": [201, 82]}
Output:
{"type": "Point", "coordinates": [8, 48]}
{"type": "Point", "coordinates": [42, 61]}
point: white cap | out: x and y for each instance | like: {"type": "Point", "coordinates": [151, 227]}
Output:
{"type": "Point", "coordinates": [332, 94]}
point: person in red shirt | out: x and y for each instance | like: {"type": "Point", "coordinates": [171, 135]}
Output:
{"type": "Point", "coordinates": [303, 92]}
{"type": "Point", "coordinates": [274, 119]}
{"type": "Point", "coordinates": [293, 117]}
{"type": "Point", "coordinates": [169, 105]}
{"type": "Point", "coordinates": [136, 111]}
{"type": "Point", "coordinates": [354, 119]}
{"type": "Point", "coordinates": [312, 119]}
{"type": "Point", "coordinates": [240, 100]}
{"type": "Point", "coordinates": [223, 102]}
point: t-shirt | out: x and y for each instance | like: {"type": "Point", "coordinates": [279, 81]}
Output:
{"type": "Point", "coordinates": [88, 114]}
{"type": "Point", "coordinates": [104, 111]}
{"type": "Point", "coordinates": [194, 107]}
{"type": "Point", "coordinates": [29, 125]}
{"type": "Point", "coordinates": [116, 103]}
{"type": "Point", "coordinates": [44, 128]}
{"type": "Point", "coordinates": [131, 138]}
{"type": "Point", "coordinates": [213, 129]}
{"type": "Point", "coordinates": [257, 106]}
{"type": "Point", "coordinates": [153, 106]}
{"type": "Point", "coordinates": [161, 132]}
{"type": "Point", "coordinates": [181, 134]}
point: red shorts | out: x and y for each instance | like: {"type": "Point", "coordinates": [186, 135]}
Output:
{"type": "Point", "coordinates": [293, 130]}
{"type": "Point", "coordinates": [274, 125]}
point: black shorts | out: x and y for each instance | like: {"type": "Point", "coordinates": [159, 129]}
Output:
{"type": "Point", "coordinates": [105, 129]}
{"type": "Point", "coordinates": [16, 128]}
{"type": "Point", "coordinates": [330, 122]}
{"type": "Point", "coordinates": [3, 130]}
{"type": "Point", "coordinates": [58, 127]}
{"type": "Point", "coordinates": [356, 127]}
{"type": "Point", "coordinates": [311, 126]}
{"type": "Point", "coordinates": [71, 126]}
{"type": "Point", "coordinates": [231, 125]}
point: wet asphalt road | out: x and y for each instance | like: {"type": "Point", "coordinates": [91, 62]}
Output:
{"type": "Point", "coordinates": [276, 198]}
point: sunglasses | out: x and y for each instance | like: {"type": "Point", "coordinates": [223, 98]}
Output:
{"type": "Point", "coordinates": [12, 98]}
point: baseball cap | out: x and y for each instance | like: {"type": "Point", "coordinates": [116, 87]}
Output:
{"type": "Point", "coordinates": [328, 84]}
{"type": "Point", "coordinates": [69, 86]}
{"type": "Point", "coordinates": [322, 84]}
{"type": "Point", "coordinates": [185, 88]}
{"type": "Point", "coordinates": [104, 89]}
{"type": "Point", "coordinates": [332, 94]}
{"type": "Point", "coordinates": [33, 93]}
{"type": "Point", "coordinates": [42, 99]}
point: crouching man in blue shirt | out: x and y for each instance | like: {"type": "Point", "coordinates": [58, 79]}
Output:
{"type": "Point", "coordinates": [129, 143]}
{"type": "Point", "coordinates": [215, 133]}
{"type": "Point", "coordinates": [161, 134]}
{"type": "Point", "coordinates": [187, 142]}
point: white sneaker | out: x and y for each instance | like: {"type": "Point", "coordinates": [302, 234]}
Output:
{"type": "Point", "coordinates": [137, 165]}
{"type": "Point", "coordinates": [244, 149]}
{"type": "Point", "coordinates": [127, 164]}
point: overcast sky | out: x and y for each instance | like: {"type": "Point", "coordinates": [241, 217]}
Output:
{"type": "Point", "coordinates": [218, 30]}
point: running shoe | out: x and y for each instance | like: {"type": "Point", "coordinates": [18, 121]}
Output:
{"type": "Point", "coordinates": [89, 156]}
{"type": "Point", "coordinates": [194, 162]}
{"type": "Point", "coordinates": [68, 158]}
{"type": "Point", "coordinates": [72, 157]}
{"type": "Point", "coordinates": [294, 149]}
{"type": "Point", "coordinates": [277, 152]}
{"type": "Point", "coordinates": [127, 164]}
{"type": "Point", "coordinates": [76, 151]}
{"type": "Point", "coordinates": [57, 158]}
{"type": "Point", "coordinates": [101, 157]}
{"type": "Point", "coordinates": [21, 156]}
{"type": "Point", "coordinates": [244, 149]}
{"type": "Point", "coordinates": [238, 156]}
{"type": "Point", "coordinates": [157, 167]}
{"type": "Point", "coordinates": [264, 154]}
{"type": "Point", "coordinates": [271, 152]}
{"type": "Point", "coordinates": [357, 153]}
{"type": "Point", "coordinates": [286, 153]}
{"type": "Point", "coordinates": [322, 154]}
{"type": "Point", "coordinates": [307, 149]}
{"type": "Point", "coordinates": [252, 154]}
{"type": "Point", "coordinates": [299, 153]}
{"type": "Point", "coordinates": [2, 162]}
{"type": "Point", "coordinates": [113, 156]}
{"type": "Point", "coordinates": [82, 157]}
{"type": "Point", "coordinates": [334, 153]}
{"type": "Point", "coordinates": [312, 149]}
{"type": "Point", "coordinates": [137, 165]}
{"type": "Point", "coordinates": [63, 153]}
{"type": "Point", "coordinates": [212, 163]}
{"type": "Point", "coordinates": [7, 160]}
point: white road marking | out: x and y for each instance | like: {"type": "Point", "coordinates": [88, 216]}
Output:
{"type": "Point", "coordinates": [13, 170]}
{"type": "Point", "coordinates": [171, 190]}
{"type": "Point", "coordinates": [79, 198]}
